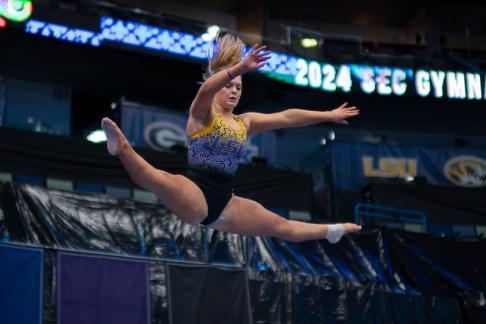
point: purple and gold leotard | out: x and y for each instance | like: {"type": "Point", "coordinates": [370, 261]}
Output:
{"type": "Point", "coordinates": [213, 157]}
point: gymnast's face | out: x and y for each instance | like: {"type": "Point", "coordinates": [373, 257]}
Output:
{"type": "Point", "coordinates": [229, 96]}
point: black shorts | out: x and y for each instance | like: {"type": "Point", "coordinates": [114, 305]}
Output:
{"type": "Point", "coordinates": [217, 190]}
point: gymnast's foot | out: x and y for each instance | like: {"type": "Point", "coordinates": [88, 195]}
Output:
{"type": "Point", "coordinates": [336, 231]}
{"type": "Point", "coordinates": [116, 141]}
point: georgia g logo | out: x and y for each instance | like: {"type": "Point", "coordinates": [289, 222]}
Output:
{"type": "Point", "coordinates": [466, 171]}
{"type": "Point", "coordinates": [162, 135]}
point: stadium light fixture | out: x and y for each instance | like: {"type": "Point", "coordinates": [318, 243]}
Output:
{"type": "Point", "coordinates": [96, 136]}
{"type": "Point", "coordinates": [211, 33]}
{"type": "Point", "coordinates": [308, 42]}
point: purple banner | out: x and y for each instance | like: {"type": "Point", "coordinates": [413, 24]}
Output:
{"type": "Point", "coordinates": [100, 289]}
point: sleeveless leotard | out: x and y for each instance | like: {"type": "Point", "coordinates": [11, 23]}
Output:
{"type": "Point", "coordinates": [213, 157]}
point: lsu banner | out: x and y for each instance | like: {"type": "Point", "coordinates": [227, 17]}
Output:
{"type": "Point", "coordinates": [355, 165]}
{"type": "Point", "coordinates": [160, 130]}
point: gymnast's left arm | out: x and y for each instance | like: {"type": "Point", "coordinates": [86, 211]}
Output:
{"type": "Point", "coordinates": [295, 117]}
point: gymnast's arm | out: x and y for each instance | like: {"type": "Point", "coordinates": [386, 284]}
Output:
{"type": "Point", "coordinates": [201, 106]}
{"type": "Point", "coordinates": [294, 117]}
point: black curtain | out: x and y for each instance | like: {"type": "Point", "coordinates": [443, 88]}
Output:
{"type": "Point", "coordinates": [443, 205]}
{"type": "Point", "coordinates": [207, 295]}
{"type": "Point", "coordinates": [280, 298]}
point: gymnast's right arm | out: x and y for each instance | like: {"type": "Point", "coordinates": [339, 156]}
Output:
{"type": "Point", "coordinates": [201, 105]}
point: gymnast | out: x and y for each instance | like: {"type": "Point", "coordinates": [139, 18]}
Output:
{"type": "Point", "coordinates": [216, 140]}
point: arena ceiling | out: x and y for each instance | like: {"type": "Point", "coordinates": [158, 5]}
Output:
{"type": "Point", "coordinates": [451, 15]}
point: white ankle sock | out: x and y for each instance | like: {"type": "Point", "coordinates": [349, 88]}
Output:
{"type": "Point", "coordinates": [335, 232]}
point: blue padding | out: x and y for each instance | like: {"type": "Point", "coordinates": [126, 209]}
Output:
{"type": "Point", "coordinates": [464, 230]}
{"type": "Point", "coordinates": [88, 187]}
{"type": "Point", "coordinates": [440, 229]}
{"type": "Point", "coordinates": [32, 180]}
{"type": "Point", "coordinates": [21, 285]}
{"type": "Point", "coordinates": [118, 192]}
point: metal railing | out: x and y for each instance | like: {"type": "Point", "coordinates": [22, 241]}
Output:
{"type": "Point", "coordinates": [367, 212]}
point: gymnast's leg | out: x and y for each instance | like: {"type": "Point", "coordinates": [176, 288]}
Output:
{"type": "Point", "coordinates": [247, 217]}
{"type": "Point", "coordinates": [176, 192]}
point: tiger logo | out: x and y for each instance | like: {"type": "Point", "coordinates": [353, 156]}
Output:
{"type": "Point", "coordinates": [466, 171]}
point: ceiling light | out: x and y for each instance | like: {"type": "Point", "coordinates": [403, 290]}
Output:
{"type": "Point", "coordinates": [213, 30]}
{"type": "Point", "coordinates": [97, 136]}
{"type": "Point", "coordinates": [308, 42]}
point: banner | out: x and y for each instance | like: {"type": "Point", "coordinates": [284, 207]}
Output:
{"type": "Point", "coordinates": [356, 165]}
{"type": "Point", "coordinates": [160, 130]}
{"type": "Point", "coordinates": [99, 289]}
{"type": "Point", "coordinates": [325, 76]}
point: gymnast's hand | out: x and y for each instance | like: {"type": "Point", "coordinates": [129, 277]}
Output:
{"type": "Point", "coordinates": [255, 59]}
{"type": "Point", "coordinates": [342, 112]}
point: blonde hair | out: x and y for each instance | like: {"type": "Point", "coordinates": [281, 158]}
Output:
{"type": "Point", "coordinates": [227, 51]}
